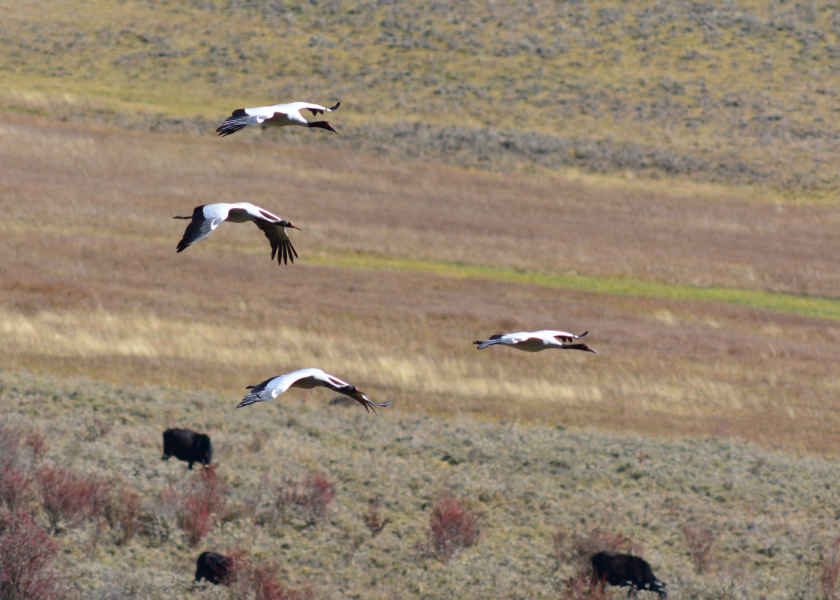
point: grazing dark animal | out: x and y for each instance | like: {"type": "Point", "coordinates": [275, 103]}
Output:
{"type": "Point", "coordinates": [626, 570]}
{"type": "Point", "coordinates": [187, 445]}
{"type": "Point", "coordinates": [213, 567]}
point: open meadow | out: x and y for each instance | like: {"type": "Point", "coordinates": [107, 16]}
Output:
{"type": "Point", "coordinates": [706, 340]}
{"type": "Point", "coordinates": [664, 177]}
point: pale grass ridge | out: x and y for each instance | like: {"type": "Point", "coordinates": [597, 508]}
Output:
{"type": "Point", "coordinates": [90, 335]}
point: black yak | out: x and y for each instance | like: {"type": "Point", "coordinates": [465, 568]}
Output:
{"type": "Point", "coordinates": [213, 567]}
{"type": "Point", "coordinates": [626, 570]}
{"type": "Point", "coordinates": [187, 445]}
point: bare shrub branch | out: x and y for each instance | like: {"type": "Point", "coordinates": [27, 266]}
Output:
{"type": "Point", "coordinates": [579, 548]}
{"type": "Point", "coordinates": [123, 512]}
{"type": "Point", "coordinates": [700, 541]}
{"type": "Point", "coordinates": [310, 497]}
{"type": "Point", "coordinates": [18, 456]}
{"type": "Point", "coordinates": [251, 576]}
{"type": "Point", "coordinates": [26, 555]}
{"type": "Point", "coordinates": [581, 587]}
{"type": "Point", "coordinates": [452, 526]}
{"type": "Point", "coordinates": [199, 504]}
{"type": "Point", "coordinates": [70, 497]}
{"type": "Point", "coordinates": [830, 574]}
{"type": "Point", "coordinates": [373, 517]}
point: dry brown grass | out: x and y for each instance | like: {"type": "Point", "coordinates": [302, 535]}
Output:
{"type": "Point", "coordinates": [91, 285]}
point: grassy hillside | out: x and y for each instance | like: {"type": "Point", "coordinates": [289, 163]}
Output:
{"type": "Point", "coordinates": [708, 330]}
{"type": "Point", "coordinates": [542, 492]}
{"type": "Point", "coordinates": [663, 175]}
{"type": "Point", "coordinates": [735, 92]}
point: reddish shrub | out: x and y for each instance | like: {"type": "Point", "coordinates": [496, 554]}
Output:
{"type": "Point", "coordinates": [15, 485]}
{"type": "Point", "coordinates": [311, 496]}
{"type": "Point", "coordinates": [582, 587]}
{"type": "Point", "coordinates": [26, 554]}
{"type": "Point", "coordinates": [71, 497]}
{"type": "Point", "coordinates": [452, 526]}
{"type": "Point", "coordinates": [195, 518]}
{"type": "Point", "coordinates": [201, 502]}
{"type": "Point", "coordinates": [579, 548]}
{"type": "Point", "coordinates": [830, 575]}
{"type": "Point", "coordinates": [250, 577]}
{"type": "Point", "coordinates": [267, 587]}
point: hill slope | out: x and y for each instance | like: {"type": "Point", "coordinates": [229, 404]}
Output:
{"type": "Point", "coordinates": [401, 266]}
{"type": "Point", "coordinates": [737, 92]}
{"type": "Point", "coordinates": [769, 516]}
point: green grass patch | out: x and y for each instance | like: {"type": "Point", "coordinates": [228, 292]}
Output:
{"type": "Point", "coordinates": [808, 306]}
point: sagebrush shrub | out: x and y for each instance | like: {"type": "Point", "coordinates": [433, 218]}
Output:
{"type": "Point", "coordinates": [70, 497]}
{"type": "Point", "coordinates": [830, 574]}
{"type": "Point", "coordinates": [36, 442]}
{"type": "Point", "coordinates": [18, 456]}
{"type": "Point", "coordinates": [199, 504]}
{"type": "Point", "coordinates": [250, 578]}
{"type": "Point", "coordinates": [452, 526]}
{"type": "Point", "coordinates": [26, 555]}
{"type": "Point", "coordinates": [267, 586]}
{"type": "Point", "coordinates": [582, 587]}
{"type": "Point", "coordinates": [123, 512]}
{"type": "Point", "coordinates": [700, 541]}
{"type": "Point", "coordinates": [15, 485]}
{"type": "Point", "coordinates": [9, 443]}
{"type": "Point", "coordinates": [310, 497]}
{"type": "Point", "coordinates": [373, 517]}
{"type": "Point", "coordinates": [580, 547]}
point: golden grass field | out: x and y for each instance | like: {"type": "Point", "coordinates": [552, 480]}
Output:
{"type": "Point", "coordinates": [401, 266]}
{"type": "Point", "coordinates": [93, 287]}
{"type": "Point", "coordinates": [705, 271]}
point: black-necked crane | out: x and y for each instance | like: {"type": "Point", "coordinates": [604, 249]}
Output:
{"type": "Point", "coordinates": [534, 341]}
{"type": "Point", "coordinates": [306, 379]}
{"type": "Point", "coordinates": [207, 217]}
{"type": "Point", "coordinates": [278, 115]}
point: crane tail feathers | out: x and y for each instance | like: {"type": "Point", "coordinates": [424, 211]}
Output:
{"type": "Point", "coordinates": [482, 344]}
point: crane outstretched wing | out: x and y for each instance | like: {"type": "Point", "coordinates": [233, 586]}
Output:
{"type": "Point", "coordinates": [281, 245]}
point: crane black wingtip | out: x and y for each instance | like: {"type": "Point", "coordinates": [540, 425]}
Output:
{"type": "Point", "coordinates": [233, 123]}
{"type": "Point", "coordinates": [226, 129]}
